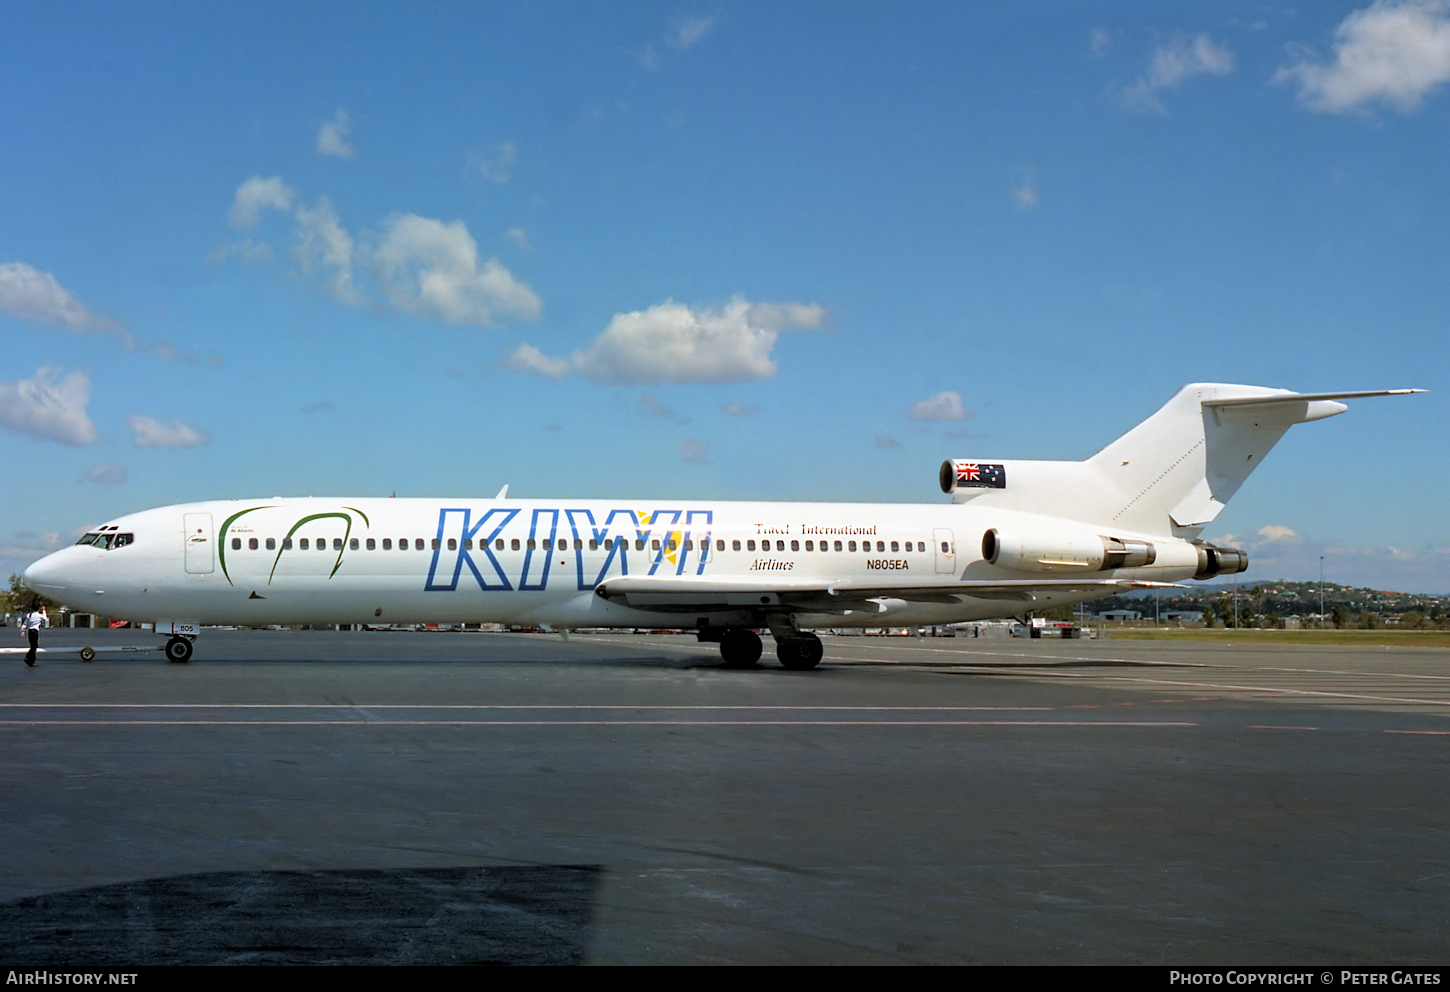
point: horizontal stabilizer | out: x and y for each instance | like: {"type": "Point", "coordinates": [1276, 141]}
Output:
{"type": "Point", "coordinates": [1310, 397]}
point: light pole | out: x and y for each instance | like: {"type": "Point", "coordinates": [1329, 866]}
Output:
{"type": "Point", "coordinates": [1321, 592]}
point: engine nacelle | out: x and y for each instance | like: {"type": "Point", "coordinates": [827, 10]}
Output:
{"type": "Point", "coordinates": [1065, 551]}
{"type": "Point", "coordinates": [962, 473]}
{"type": "Point", "coordinates": [1213, 560]}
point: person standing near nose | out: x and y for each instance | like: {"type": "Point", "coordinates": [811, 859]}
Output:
{"type": "Point", "coordinates": [30, 628]}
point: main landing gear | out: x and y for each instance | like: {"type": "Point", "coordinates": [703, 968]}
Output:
{"type": "Point", "coordinates": [740, 648]}
{"type": "Point", "coordinates": [798, 652]}
{"type": "Point", "coordinates": [178, 649]}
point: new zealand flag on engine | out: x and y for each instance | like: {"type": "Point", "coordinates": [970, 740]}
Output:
{"type": "Point", "coordinates": [980, 475]}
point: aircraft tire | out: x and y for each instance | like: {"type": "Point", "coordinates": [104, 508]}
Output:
{"type": "Point", "coordinates": [88, 653]}
{"type": "Point", "coordinates": [800, 654]}
{"type": "Point", "coordinates": [178, 649]}
{"type": "Point", "coordinates": [740, 648]}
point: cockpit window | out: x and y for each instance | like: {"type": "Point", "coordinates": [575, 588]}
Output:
{"type": "Point", "coordinates": [107, 542]}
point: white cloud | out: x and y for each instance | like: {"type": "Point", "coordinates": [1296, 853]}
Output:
{"type": "Point", "coordinates": [109, 474]}
{"type": "Point", "coordinates": [1099, 41]}
{"type": "Point", "coordinates": [34, 295]}
{"type": "Point", "coordinates": [1277, 533]}
{"type": "Point", "coordinates": [738, 410]}
{"type": "Point", "coordinates": [1024, 188]}
{"type": "Point", "coordinates": [152, 433]}
{"type": "Point", "coordinates": [945, 405]}
{"type": "Point", "coordinates": [1394, 51]}
{"type": "Point", "coordinates": [520, 237]}
{"type": "Point", "coordinates": [527, 358]}
{"type": "Point", "coordinates": [671, 342]}
{"type": "Point", "coordinates": [655, 408]}
{"type": "Point", "coordinates": [497, 165]}
{"type": "Point", "coordinates": [887, 442]}
{"type": "Point", "coordinates": [322, 240]}
{"type": "Point", "coordinates": [1179, 58]}
{"type": "Point", "coordinates": [697, 452]}
{"type": "Point", "coordinates": [258, 194]}
{"type": "Point", "coordinates": [49, 406]}
{"type": "Point", "coordinates": [686, 31]}
{"type": "Point", "coordinates": [332, 136]}
{"type": "Point", "coordinates": [432, 269]}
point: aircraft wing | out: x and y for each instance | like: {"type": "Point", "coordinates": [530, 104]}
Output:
{"type": "Point", "coordinates": [670, 594]}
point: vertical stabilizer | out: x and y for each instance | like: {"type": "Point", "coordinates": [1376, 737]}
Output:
{"type": "Point", "coordinates": [1174, 472]}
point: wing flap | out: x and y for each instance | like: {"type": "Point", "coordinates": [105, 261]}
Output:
{"type": "Point", "coordinates": [814, 595]}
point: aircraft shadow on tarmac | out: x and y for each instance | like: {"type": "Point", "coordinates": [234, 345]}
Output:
{"type": "Point", "coordinates": [491, 915]}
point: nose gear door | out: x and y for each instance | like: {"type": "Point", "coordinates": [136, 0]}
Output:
{"type": "Point", "coordinates": [198, 536]}
{"type": "Point", "coordinates": [946, 549]}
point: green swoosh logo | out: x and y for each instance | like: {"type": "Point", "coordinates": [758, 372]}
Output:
{"type": "Point", "coordinates": [307, 520]}
{"type": "Point", "coordinates": [222, 540]}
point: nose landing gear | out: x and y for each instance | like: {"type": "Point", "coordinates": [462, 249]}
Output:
{"type": "Point", "coordinates": [178, 649]}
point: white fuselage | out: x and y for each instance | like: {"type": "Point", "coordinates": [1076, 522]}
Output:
{"type": "Point", "coordinates": [536, 562]}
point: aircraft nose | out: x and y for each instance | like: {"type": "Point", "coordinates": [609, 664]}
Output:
{"type": "Point", "coordinates": [45, 576]}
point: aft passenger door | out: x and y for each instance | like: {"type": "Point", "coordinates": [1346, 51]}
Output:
{"type": "Point", "coordinates": [196, 528]}
{"type": "Point", "coordinates": [946, 549]}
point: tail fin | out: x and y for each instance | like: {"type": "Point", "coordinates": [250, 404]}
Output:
{"type": "Point", "coordinates": [1174, 472]}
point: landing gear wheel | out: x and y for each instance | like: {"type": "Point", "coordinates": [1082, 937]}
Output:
{"type": "Point", "coordinates": [740, 648]}
{"type": "Point", "coordinates": [800, 654]}
{"type": "Point", "coordinates": [88, 653]}
{"type": "Point", "coordinates": [178, 649]}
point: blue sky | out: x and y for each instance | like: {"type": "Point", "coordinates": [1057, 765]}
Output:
{"type": "Point", "coordinates": [718, 251]}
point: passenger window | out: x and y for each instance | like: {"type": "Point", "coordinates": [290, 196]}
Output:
{"type": "Point", "coordinates": [532, 545]}
{"type": "Point", "coordinates": [690, 545]}
{"type": "Point", "coordinates": [852, 545]}
{"type": "Point", "coordinates": [795, 545]}
{"type": "Point", "coordinates": [880, 545]}
{"type": "Point", "coordinates": [720, 546]}
{"type": "Point", "coordinates": [387, 544]}
{"type": "Point", "coordinates": [417, 544]}
{"type": "Point", "coordinates": [434, 544]}
{"type": "Point", "coordinates": [943, 547]}
{"type": "Point", "coordinates": [302, 544]}
{"type": "Point", "coordinates": [594, 544]}
{"type": "Point", "coordinates": [337, 544]}
{"type": "Point", "coordinates": [468, 544]}
{"type": "Point", "coordinates": [639, 544]}
{"type": "Point", "coordinates": [548, 544]}
{"type": "Point", "coordinates": [921, 545]}
{"type": "Point", "coordinates": [286, 544]}
{"type": "Point", "coordinates": [372, 544]}
{"type": "Point", "coordinates": [838, 546]}
{"type": "Point", "coordinates": [515, 544]}
{"type": "Point", "coordinates": [895, 547]}
{"type": "Point", "coordinates": [734, 545]}
{"type": "Point", "coordinates": [811, 545]}
{"type": "Point", "coordinates": [498, 545]}
{"type": "Point", "coordinates": [251, 544]}
{"type": "Point", "coordinates": [452, 544]}
{"type": "Point", "coordinates": [780, 545]}
{"type": "Point", "coordinates": [271, 544]}
{"type": "Point", "coordinates": [236, 543]}
{"type": "Point", "coordinates": [352, 543]}
{"type": "Point", "coordinates": [654, 545]}
{"type": "Point", "coordinates": [750, 545]}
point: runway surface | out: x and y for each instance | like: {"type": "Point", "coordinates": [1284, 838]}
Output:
{"type": "Point", "coordinates": [437, 797]}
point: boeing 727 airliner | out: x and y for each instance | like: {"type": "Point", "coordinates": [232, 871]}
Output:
{"type": "Point", "coordinates": [1017, 536]}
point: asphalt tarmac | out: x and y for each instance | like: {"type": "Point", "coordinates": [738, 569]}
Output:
{"type": "Point", "coordinates": [465, 797]}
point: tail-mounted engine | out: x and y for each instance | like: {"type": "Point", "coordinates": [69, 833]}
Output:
{"type": "Point", "coordinates": [1213, 560]}
{"type": "Point", "coordinates": [962, 474]}
{"type": "Point", "coordinates": [1065, 551]}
